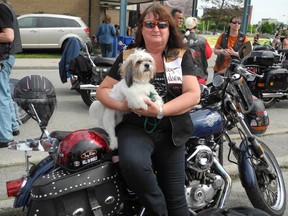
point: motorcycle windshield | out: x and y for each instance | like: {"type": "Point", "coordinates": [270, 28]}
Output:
{"type": "Point", "coordinates": [242, 95]}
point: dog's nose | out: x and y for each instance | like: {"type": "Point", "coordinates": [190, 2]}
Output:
{"type": "Point", "coordinates": [146, 66]}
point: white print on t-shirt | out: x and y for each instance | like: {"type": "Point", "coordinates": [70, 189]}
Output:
{"type": "Point", "coordinates": [174, 71]}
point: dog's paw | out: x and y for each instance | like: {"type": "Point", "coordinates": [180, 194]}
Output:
{"type": "Point", "coordinates": [113, 143]}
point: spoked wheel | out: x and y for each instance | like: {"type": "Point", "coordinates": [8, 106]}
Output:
{"type": "Point", "coordinates": [21, 115]}
{"type": "Point", "coordinates": [269, 194]}
{"type": "Point", "coordinates": [269, 102]}
{"type": "Point", "coordinates": [87, 97]}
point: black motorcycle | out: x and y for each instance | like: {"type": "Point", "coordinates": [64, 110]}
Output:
{"type": "Point", "coordinates": [81, 174]}
{"type": "Point", "coordinates": [21, 115]}
{"type": "Point", "coordinates": [271, 85]}
{"type": "Point", "coordinates": [89, 71]}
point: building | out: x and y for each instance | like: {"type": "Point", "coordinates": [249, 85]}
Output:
{"type": "Point", "coordinates": [91, 11]}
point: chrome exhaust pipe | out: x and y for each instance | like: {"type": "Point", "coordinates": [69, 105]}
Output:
{"type": "Point", "coordinates": [274, 95]}
{"type": "Point", "coordinates": [90, 87]}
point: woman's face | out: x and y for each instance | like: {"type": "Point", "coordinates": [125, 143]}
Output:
{"type": "Point", "coordinates": [235, 24]}
{"type": "Point", "coordinates": [155, 31]}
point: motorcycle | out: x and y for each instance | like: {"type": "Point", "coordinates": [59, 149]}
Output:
{"type": "Point", "coordinates": [272, 84]}
{"type": "Point", "coordinates": [89, 71]}
{"type": "Point", "coordinates": [81, 175]}
{"type": "Point", "coordinates": [21, 115]}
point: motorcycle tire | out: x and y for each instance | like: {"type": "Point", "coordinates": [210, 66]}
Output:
{"type": "Point", "coordinates": [86, 97]}
{"type": "Point", "coordinates": [21, 115]}
{"type": "Point", "coordinates": [269, 102]}
{"type": "Point", "coordinates": [264, 195]}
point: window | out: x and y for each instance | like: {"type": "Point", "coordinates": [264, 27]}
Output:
{"type": "Point", "coordinates": [28, 22]}
{"type": "Point", "coordinates": [49, 22]}
{"type": "Point", "coordinates": [70, 23]}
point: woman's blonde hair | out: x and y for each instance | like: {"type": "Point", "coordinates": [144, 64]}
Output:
{"type": "Point", "coordinates": [107, 19]}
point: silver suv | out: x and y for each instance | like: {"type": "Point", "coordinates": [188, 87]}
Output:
{"type": "Point", "coordinates": [51, 31]}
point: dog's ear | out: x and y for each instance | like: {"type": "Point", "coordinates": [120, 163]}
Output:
{"type": "Point", "coordinates": [127, 72]}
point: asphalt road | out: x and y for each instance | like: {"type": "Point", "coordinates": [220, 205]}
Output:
{"type": "Point", "coordinates": [71, 114]}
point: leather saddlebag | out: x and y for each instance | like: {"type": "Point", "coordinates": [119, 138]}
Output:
{"type": "Point", "coordinates": [94, 191]}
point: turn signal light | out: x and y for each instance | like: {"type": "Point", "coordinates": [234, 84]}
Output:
{"type": "Point", "coordinates": [261, 84]}
{"type": "Point", "coordinates": [13, 187]}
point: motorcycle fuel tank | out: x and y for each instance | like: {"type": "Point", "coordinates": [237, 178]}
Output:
{"type": "Point", "coordinates": [207, 121]}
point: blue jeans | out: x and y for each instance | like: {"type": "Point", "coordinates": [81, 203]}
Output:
{"type": "Point", "coordinates": [7, 113]}
{"type": "Point", "coordinates": [106, 50]}
{"type": "Point", "coordinates": [162, 194]}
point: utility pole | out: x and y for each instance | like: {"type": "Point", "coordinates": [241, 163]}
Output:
{"type": "Point", "coordinates": [245, 16]}
{"type": "Point", "coordinates": [194, 8]}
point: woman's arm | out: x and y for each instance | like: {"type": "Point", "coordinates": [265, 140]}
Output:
{"type": "Point", "coordinates": [102, 94]}
{"type": "Point", "coordinates": [190, 97]}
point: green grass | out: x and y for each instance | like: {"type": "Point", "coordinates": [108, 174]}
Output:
{"type": "Point", "coordinates": [39, 54]}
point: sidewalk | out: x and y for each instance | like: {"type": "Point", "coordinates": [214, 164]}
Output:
{"type": "Point", "coordinates": [35, 63]}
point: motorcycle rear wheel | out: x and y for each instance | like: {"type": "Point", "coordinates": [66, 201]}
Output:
{"type": "Point", "coordinates": [21, 115]}
{"type": "Point", "coordinates": [86, 97]}
{"type": "Point", "coordinates": [269, 102]}
{"type": "Point", "coordinates": [269, 194]}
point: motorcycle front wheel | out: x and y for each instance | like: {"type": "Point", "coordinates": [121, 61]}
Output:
{"type": "Point", "coordinates": [86, 96]}
{"type": "Point", "coordinates": [269, 194]}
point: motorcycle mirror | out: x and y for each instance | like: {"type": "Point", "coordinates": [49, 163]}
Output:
{"type": "Point", "coordinates": [218, 81]}
{"type": "Point", "coordinates": [245, 51]}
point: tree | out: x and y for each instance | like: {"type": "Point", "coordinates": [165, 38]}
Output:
{"type": "Point", "coordinates": [222, 11]}
{"type": "Point", "coordinates": [267, 28]}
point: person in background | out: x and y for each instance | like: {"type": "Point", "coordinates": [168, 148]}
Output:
{"type": "Point", "coordinates": [276, 43]}
{"type": "Point", "coordinates": [10, 44]}
{"type": "Point", "coordinates": [153, 140]}
{"type": "Point", "coordinates": [256, 40]}
{"type": "Point", "coordinates": [199, 47]}
{"type": "Point", "coordinates": [104, 36]}
{"type": "Point", "coordinates": [228, 44]}
{"type": "Point", "coordinates": [285, 42]}
{"type": "Point", "coordinates": [178, 16]}
{"type": "Point", "coordinates": [117, 28]}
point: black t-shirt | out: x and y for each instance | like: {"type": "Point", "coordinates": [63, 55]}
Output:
{"type": "Point", "coordinates": [6, 18]}
{"type": "Point", "coordinates": [150, 123]}
{"type": "Point", "coordinates": [159, 82]}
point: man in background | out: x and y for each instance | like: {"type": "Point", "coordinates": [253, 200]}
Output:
{"type": "Point", "coordinates": [178, 16]}
{"type": "Point", "coordinates": [10, 43]}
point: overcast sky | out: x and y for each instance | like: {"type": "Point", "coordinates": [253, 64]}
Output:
{"type": "Point", "coordinates": [275, 9]}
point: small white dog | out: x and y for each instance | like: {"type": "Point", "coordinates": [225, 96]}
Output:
{"type": "Point", "coordinates": [134, 87]}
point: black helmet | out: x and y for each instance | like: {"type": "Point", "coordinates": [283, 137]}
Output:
{"type": "Point", "coordinates": [257, 119]}
{"type": "Point", "coordinates": [81, 149]}
{"type": "Point", "coordinates": [38, 91]}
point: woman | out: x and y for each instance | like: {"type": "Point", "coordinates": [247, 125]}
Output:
{"type": "Point", "coordinates": [105, 35]}
{"type": "Point", "coordinates": [228, 44]}
{"type": "Point", "coordinates": [171, 124]}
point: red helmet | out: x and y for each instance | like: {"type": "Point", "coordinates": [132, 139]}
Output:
{"type": "Point", "coordinates": [81, 149]}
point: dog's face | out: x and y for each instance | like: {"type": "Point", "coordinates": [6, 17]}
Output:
{"type": "Point", "coordinates": [138, 67]}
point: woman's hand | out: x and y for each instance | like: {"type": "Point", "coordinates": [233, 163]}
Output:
{"type": "Point", "coordinates": [152, 109]}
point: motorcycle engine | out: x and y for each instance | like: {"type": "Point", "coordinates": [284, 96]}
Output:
{"type": "Point", "coordinates": [202, 185]}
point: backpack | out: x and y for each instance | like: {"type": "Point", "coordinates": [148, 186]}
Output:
{"type": "Point", "coordinates": [235, 211]}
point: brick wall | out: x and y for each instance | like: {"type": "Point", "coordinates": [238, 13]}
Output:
{"type": "Point", "coordinates": [71, 7]}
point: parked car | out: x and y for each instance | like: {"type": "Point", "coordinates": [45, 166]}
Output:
{"type": "Point", "coordinates": [51, 31]}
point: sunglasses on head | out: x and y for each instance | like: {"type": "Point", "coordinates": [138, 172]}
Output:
{"type": "Point", "coordinates": [152, 24]}
{"type": "Point", "coordinates": [236, 23]}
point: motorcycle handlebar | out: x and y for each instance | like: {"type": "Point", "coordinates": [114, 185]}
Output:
{"type": "Point", "coordinates": [34, 145]}
{"type": "Point", "coordinates": [246, 73]}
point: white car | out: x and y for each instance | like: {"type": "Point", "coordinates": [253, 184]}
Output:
{"type": "Point", "coordinates": [51, 31]}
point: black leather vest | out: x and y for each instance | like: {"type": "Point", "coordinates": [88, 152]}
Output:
{"type": "Point", "coordinates": [7, 49]}
{"type": "Point", "coordinates": [224, 45]}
